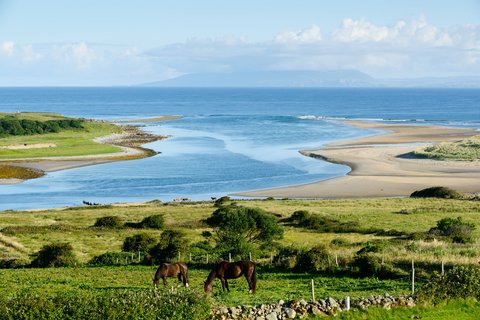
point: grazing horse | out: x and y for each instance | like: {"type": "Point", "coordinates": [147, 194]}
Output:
{"type": "Point", "coordinates": [232, 270]}
{"type": "Point", "coordinates": [165, 270]}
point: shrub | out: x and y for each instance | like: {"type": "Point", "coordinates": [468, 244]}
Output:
{"type": "Point", "coordinates": [139, 242]}
{"type": "Point", "coordinates": [54, 255]}
{"type": "Point", "coordinates": [305, 219]}
{"type": "Point", "coordinates": [437, 192]}
{"type": "Point", "coordinates": [222, 201]}
{"type": "Point", "coordinates": [112, 222]}
{"type": "Point", "coordinates": [171, 243]}
{"type": "Point", "coordinates": [368, 265]}
{"type": "Point", "coordinates": [110, 259]}
{"type": "Point", "coordinates": [459, 282]}
{"type": "Point", "coordinates": [156, 221]}
{"type": "Point", "coordinates": [315, 259]}
{"type": "Point", "coordinates": [454, 229]}
{"type": "Point", "coordinates": [128, 304]}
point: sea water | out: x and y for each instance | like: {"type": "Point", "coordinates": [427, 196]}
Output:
{"type": "Point", "coordinates": [228, 140]}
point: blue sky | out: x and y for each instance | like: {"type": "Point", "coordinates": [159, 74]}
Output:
{"type": "Point", "coordinates": [118, 42]}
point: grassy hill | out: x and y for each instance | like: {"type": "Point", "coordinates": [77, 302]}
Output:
{"type": "Point", "coordinates": [67, 142]}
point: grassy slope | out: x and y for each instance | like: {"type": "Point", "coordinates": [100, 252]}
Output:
{"type": "Point", "coordinates": [68, 142]}
{"type": "Point", "coordinates": [468, 149]}
{"type": "Point", "coordinates": [30, 230]}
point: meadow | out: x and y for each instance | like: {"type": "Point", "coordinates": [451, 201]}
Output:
{"type": "Point", "coordinates": [23, 233]}
{"type": "Point", "coordinates": [70, 142]}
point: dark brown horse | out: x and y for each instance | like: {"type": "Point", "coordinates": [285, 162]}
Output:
{"type": "Point", "coordinates": [165, 270]}
{"type": "Point", "coordinates": [232, 270]}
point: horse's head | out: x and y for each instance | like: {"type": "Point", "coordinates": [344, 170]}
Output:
{"type": "Point", "coordinates": [207, 287]}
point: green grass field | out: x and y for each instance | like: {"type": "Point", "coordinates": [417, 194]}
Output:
{"type": "Point", "coordinates": [25, 232]}
{"type": "Point", "coordinates": [33, 229]}
{"type": "Point", "coordinates": [71, 142]}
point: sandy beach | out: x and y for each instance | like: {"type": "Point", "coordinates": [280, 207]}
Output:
{"type": "Point", "coordinates": [381, 165]}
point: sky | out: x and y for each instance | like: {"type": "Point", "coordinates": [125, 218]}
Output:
{"type": "Point", "coordinates": [114, 42]}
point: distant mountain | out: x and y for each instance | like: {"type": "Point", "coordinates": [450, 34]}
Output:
{"type": "Point", "coordinates": [432, 82]}
{"type": "Point", "coordinates": [331, 78]}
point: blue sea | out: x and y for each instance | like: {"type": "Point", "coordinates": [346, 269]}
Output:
{"type": "Point", "coordinates": [228, 140]}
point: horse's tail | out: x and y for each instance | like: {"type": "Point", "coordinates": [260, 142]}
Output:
{"type": "Point", "coordinates": [254, 279]}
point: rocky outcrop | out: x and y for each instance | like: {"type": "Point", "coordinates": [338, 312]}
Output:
{"type": "Point", "coordinates": [296, 309]}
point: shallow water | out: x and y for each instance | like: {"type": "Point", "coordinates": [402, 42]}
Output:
{"type": "Point", "coordinates": [230, 140]}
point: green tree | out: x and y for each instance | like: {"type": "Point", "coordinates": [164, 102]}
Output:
{"type": "Point", "coordinates": [171, 243]}
{"type": "Point", "coordinates": [241, 229]}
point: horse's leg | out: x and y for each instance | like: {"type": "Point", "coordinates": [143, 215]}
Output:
{"type": "Point", "coordinates": [226, 285]}
{"type": "Point", "coordinates": [164, 281]}
{"type": "Point", "coordinates": [248, 276]}
{"type": "Point", "coordinates": [223, 283]}
{"type": "Point", "coordinates": [185, 278]}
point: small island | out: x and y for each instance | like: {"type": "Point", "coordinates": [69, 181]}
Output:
{"type": "Point", "coordinates": [33, 143]}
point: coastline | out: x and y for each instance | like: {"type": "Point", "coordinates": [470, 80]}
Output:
{"type": "Point", "coordinates": [381, 165]}
{"type": "Point", "coordinates": [130, 142]}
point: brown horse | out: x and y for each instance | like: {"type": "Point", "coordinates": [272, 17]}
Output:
{"type": "Point", "coordinates": [165, 270]}
{"type": "Point", "coordinates": [232, 270]}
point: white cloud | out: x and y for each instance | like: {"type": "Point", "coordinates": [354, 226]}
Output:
{"type": "Point", "coordinates": [80, 55]}
{"type": "Point", "coordinates": [29, 55]}
{"type": "Point", "coordinates": [413, 48]}
{"type": "Point", "coordinates": [309, 35]}
{"type": "Point", "coordinates": [7, 48]}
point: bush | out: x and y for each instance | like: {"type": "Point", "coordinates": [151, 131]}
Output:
{"type": "Point", "coordinates": [459, 282]}
{"type": "Point", "coordinates": [437, 192]}
{"type": "Point", "coordinates": [139, 242]}
{"type": "Point", "coordinates": [54, 255]}
{"type": "Point", "coordinates": [112, 222]}
{"type": "Point", "coordinates": [171, 243]}
{"type": "Point", "coordinates": [369, 265]}
{"type": "Point", "coordinates": [222, 201]}
{"type": "Point", "coordinates": [110, 259]}
{"type": "Point", "coordinates": [153, 222]}
{"type": "Point", "coordinates": [305, 219]}
{"type": "Point", "coordinates": [454, 229]}
{"type": "Point", "coordinates": [315, 259]}
{"type": "Point", "coordinates": [128, 304]}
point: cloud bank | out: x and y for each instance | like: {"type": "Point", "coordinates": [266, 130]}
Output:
{"type": "Point", "coordinates": [403, 49]}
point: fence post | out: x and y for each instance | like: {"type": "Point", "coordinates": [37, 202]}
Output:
{"type": "Point", "coordinates": [443, 268]}
{"type": "Point", "coordinates": [179, 256]}
{"type": "Point", "coordinates": [250, 256]}
{"type": "Point", "coordinates": [347, 303]}
{"type": "Point", "coordinates": [132, 256]}
{"type": "Point", "coordinates": [229, 257]}
{"type": "Point", "coordinates": [190, 257]}
{"type": "Point", "coordinates": [413, 278]}
{"type": "Point", "coordinates": [138, 256]}
{"type": "Point", "coordinates": [336, 260]}
{"type": "Point", "coordinates": [313, 292]}
{"type": "Point", "coordinates": [207, 258]}
{"type": "Point", "coordinates": [271, 257]}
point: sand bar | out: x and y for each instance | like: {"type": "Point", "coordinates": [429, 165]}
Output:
{"type": "Point", "coordinates": [380, 167]}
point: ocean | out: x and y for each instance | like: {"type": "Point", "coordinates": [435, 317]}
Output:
{"type": "Point", "coordinates": [228, 140]}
